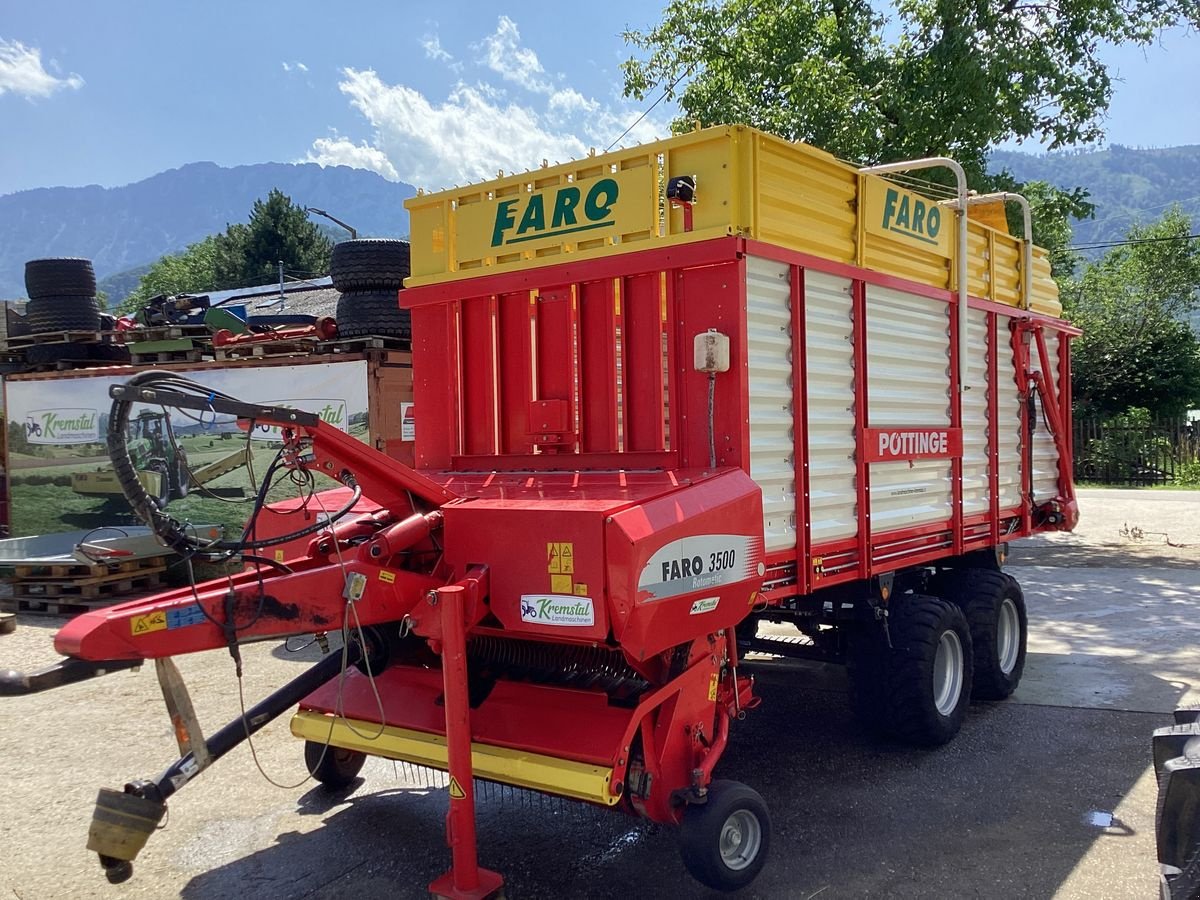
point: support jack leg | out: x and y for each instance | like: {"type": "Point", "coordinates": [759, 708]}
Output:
{"type": "Point", "coordinates": [465, 880]}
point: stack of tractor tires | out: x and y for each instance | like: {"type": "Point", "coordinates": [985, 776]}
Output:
{"type": "Point", "coordinates": [62, 295]}
{"type": "Point", "coordinates": [1177, 820]}
{"type": "Point", "coordinates": [370, 273]}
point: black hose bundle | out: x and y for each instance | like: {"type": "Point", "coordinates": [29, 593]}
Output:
{"type": "Point", "coordinates": [171, 532]}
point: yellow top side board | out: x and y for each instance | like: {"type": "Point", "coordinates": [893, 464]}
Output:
{"type": "Point", "coordinates": [748, 183]}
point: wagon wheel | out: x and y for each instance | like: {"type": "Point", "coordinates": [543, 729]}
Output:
{"type": "Point", "coordinates": [724, 842]}
{"type": "Point", "coordinates": [333, 767]}
{"type": "Point", "coordinates": [995, 609]}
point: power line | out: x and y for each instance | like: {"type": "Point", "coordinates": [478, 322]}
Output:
{"type": "Point", "coordinates": [1126, 243]}
{"type": "Point", "coordinates": [1134, 212]}
{"type": "Point", "coordinates": [682, 75]}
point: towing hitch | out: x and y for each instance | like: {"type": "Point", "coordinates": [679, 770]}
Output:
{"type": "Point", "coordinates": [124, 820]}
{"type": "Point", "coordinates": [67, 670]}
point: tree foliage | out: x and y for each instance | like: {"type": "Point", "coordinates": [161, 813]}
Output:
{"type": "Point", "coordinates": [243, 255]}
{"type": "Point", "coordinates": [952, 77]}
{"type": "Point", "coordinates": [940, 77]}
{"type": "Point", "coordinates": [1138, 347]}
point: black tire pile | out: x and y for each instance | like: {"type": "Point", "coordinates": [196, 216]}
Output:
{"type": "Point", "coordinates": [369, 273]}
{"type": "Point", "coordinates": [62, 295]}
{"type": "Point", "coordinates": [62, 298]}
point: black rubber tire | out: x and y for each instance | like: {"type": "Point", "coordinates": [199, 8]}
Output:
{"type": "Point", "coordinates": [49, 354]}
{"type": "Point", "coordinates": [892, 689]}
{"type": "Point", "coordinates": [369, 264]}
{"type": "Point", "coordinates": [105, 352]}
{"type": "Point", "coordinates": [980, 593]}
{"type": "Point", "coordinates": [363, 313]}
{"type": "Point", "coordinates": [59, 276]}
{"type": "Point", "coordinates": [1186, 884]}
{"type": "Point", "coordinates": [181, 483]}
{"type": "Point", "coordinates": [63, 313]}
{"type": "Point", "coordinates": [164, 482]}
{"type": "Point", "coordinates": [334, 767]}
{"type": "Point", "coordinates": [701, 830]}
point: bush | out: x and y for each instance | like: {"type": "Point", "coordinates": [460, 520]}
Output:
{"type": "Point", "coordinates": [1188, 474]}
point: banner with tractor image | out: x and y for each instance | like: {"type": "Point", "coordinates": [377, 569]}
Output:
{"type": "Point", "coordinates": [201, 465]}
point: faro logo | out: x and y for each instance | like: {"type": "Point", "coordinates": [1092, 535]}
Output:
{"type": "Point", "coordinates": [570, 211]}
{"type": "Point", "coordinates": [911, 216]}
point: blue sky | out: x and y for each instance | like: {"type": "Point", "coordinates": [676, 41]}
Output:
{"type": "Point", "coordinates": [432, 94]}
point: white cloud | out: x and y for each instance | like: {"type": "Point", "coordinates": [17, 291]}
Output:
{"type": "Point", "coordinates": [466, 138]}
{"type": "Point", "coordinates": [337, 151]}
{"type": "Point", "coordinates": [481, 127]}
{"type": "Point", "coordinates": [433, 48]}
{"type": "Point", "coordinates": [568, 100]}
{"type": "Point", "coordinates": [22, 72]}
{"type": "Point", "coordinates": [503, 53]}
{"type": "Point", "coordinates": [295, 67]}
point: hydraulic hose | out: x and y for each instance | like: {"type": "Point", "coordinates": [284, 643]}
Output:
{"type": "Point", "coordinates": [170, 531]}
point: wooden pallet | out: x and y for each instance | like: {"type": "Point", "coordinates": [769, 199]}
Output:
{"type": "Point", "coordinates": [165, 333]}
{"type": "Point", "coordinates": [22, 341]}
{"type": "Point", "coordinates": [358, 344]}
{"type": "Point", "coordinates": [59, 606]}
{"type": "Point", "coordinates": [266, 350]}
{"type": "Point", "coordinates": [65, 571]}
{"type": "Point", "coordinates": [164, 356]}
{"type": "Point", "coordinates": [109, 588]}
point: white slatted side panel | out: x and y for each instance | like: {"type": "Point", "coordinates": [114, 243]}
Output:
{"type": "Point", "coordinates": [975, 468]}
{"type": "Point", "coordinates": [772, 447]}
{"type": "Point", "coordinates": [1045, 453]}
{"type": "Point", "coordinates": [1008, 415]}
{"type": "Point", "coordinates": [832, 485]}
{"type": "Point", "coordinates": [908, 383]}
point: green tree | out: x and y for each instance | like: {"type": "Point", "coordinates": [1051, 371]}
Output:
{"type": "Point", "coordinates": [278, 231]}
{"type": "Point", "coordinates": [242, 255]}
{"type": "Point", "coordinates": [939, 78]}
{"type": "Point", "coordinates": [193, 271]}
{"type": "Point", "coordinates": [1137, 347]}
{"type": "Point", "coordinates": [953, 77]}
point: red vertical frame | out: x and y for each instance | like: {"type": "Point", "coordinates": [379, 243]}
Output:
{"type": "Point", "coordinates": [478, 377]}
{"type": "Point", "coordinates": [858, 299]}
{"type": "Point", "coordinates": [800, 429]}
{"type": "Point", "coordinates": [642, 362]}
{"type": "Point", "coordinates": [1021, 377]}
{"type": "Point", "coordinates": [515, 370]}
{"type": "Point", "coordinates": [956, 417]}
{"type": "Point", "coordinates": [993, 381]}
{"type": "Point", "coordinates": [598, 367]}
{"type": "Point", "coordinates": [454, 366]}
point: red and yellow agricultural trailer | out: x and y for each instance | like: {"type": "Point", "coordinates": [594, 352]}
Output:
{"type": "Point", "coordinates": [663, 395]}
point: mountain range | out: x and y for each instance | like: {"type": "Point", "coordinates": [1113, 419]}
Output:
{"type": "Point", "coordinates": [125, 229]}
{"type": "Point", "coordinates": [1128, 186]}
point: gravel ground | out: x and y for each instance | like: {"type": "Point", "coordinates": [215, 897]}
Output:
{"type": "Point", "coordinates": [1006, 810]}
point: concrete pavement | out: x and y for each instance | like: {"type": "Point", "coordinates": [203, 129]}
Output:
{"type": "Point", "coordinates": [1006, 810]}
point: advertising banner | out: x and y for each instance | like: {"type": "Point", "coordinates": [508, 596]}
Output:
{"type": "Point", "coordinates": [200, 464]}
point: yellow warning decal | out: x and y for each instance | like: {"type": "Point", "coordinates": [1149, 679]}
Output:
{"type": "Point", "coordinates": [560, 584]}
{"type": "Point", "coordinates": [387, 577]}
{"type": "Point", "coordinates": [581, 590]}
{"type": "Point", "coordinates": [712, 686]}
{"type": "Point", "coordinates": [560, 558]}
{"type": "Point", "coordinates": [155, 621]}
{"type": "Point", "coordinates": [456, 790]}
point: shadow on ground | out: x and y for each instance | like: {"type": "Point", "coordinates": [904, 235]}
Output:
{"type": "Point", "coordinates": [1001, 811]}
